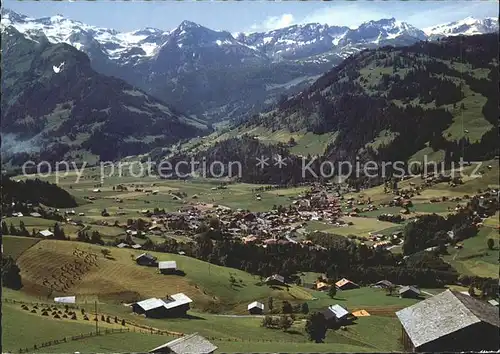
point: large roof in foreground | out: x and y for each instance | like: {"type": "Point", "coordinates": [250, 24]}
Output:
{"type": "Point", "coordinates": [193, 343]}
{"type": "Point", "coordinates": [443, 314]}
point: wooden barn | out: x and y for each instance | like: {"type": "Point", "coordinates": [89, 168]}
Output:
{"type": "Point", "coordinates": [337, 315]}
{"type": "Point", "coordinates": [45, 233]}
{"type": "Point", "coordinates": [409, 292]}
{"type": "Point", "coordinates": [346, 284]}
{"type": "Point", "coordinates": [384, 284]}
{"type": "Point", "coordinates": [146, 259]}
{"type": "Point", "coordinates": [275, 279]}
{"type": "Point", "coordinates": [172, 306]}
{"type": "Point", "coordinates": [450, 322]}
{"type": "Point", "coordinates": [255, 308]}
{"type": "Point", "coordinates": [167, 267]}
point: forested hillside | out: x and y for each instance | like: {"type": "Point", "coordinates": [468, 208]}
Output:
{"type": "Point", "coordinates": [16, 194]}
{"type": "Point", "coordinates": [395, 103]}
{"type": "Point", "coordinates": [55, 106]}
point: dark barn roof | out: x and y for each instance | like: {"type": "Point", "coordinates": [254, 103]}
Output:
{"type": "Point", "coordinates": [406, 288]}
{"type": "Point", "coordinates": [443, 314]}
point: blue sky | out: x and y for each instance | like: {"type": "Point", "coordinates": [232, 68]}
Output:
{"type": "Point", "coordinates": [253, 15]}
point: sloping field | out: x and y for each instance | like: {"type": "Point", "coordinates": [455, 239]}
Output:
{"type": "Point", "coordinates": [475, 258]}
{"type": "Point", "coordinates": [62, 266]}
{"type": "Point", "coordinates": [14, 246]}
{"type": "Point", "coordinates": [238, 334]}
{"type": "Point", "coordinates": [22, 329]}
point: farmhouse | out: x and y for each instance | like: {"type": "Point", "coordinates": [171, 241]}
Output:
{"type": "Point", "coordinates": [45, 233]}
{"type": "Point", "coordinates": [450, 322]}
{"type": "Point", "coordinates": [346, 284]}
{"type": "Point", "coordinates": [167, 267]}
{"type": "Point", "coordinates": [146, 259]}
{"type": "Point", "coordinates": [384, 284]}
{"type": "Point", "coordinates": [321, 286]}
{"type": "Point", "coordinates": [172, 306]}
{"type": "Point", "coordinates": [255, 308]}
{"type": "Point", "coordinates": [337, 315]}
{"type": "Point", "coordinates": [409, 292]}
{"type": "Point", "coordinates": [193, 343]}
{"type": "Point", "coordinates": [275, 279]}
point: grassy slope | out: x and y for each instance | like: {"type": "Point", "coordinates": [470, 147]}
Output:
{"type": "Point", "coordinates": [365, 298]}
{"type": "Point", "coordinates": [120, 278]}
{"type": "Point", "coordinates": [14, 246]}
{"type": "Point", "coordinates": [24, 329]}
{"type": "Point", "coordinates": [362, 226]}
{"type": "Point", "coordinates": [229, 334]}
{"type": "Point", "coordinates": [475, 258]}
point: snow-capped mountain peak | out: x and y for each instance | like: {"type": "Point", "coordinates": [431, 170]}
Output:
{"type": "Point", "coordinates": [467, 27]}
{"type": "Point", "coordinates": [121, 46]}
{"type": "Point", "coordinates": [383, 30]}
{"type": "Point", "coordinates": [296, 42]}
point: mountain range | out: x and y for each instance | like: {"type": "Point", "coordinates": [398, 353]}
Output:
{"type": "Point", "coordinates": [434, 100]}
{"type": "Point", "coordinates": [55, 104]}
{"type": "Point", "coordinates": [216, 76]}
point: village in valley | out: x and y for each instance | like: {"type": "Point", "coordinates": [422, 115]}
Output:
{"type": "Point", "coordinates": [163, 265]}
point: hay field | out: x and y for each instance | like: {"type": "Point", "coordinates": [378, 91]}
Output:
{"type": "Point", "coordinates": [121, 279]}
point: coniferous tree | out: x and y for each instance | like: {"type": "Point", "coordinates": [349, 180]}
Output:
{"type": "Point", "coordinates": [316, 327]}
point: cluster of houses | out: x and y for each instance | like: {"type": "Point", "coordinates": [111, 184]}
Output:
{"type": "Point", "coordinates": [278, 226]}
{"type": "Point", "coordinates": [407, 291]}
{"type": "Point", "coordinates": [382, 241]}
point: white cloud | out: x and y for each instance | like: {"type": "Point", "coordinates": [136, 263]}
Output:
{"type": "Point", "coordinates": [274, 22]}
{"type": "Point", "coordinates": [352, 14]}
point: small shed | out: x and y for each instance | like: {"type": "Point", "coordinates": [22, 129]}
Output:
{"type": "Point", "coordinates": [384, 284]}
{"type": "Point", "coordinates": [337, 315]}
{"type": "Point", "coordinates": [167, 267]}
{"type": "Point", "coordinates": [322, 286]}
{"type": "Point", "coordinates": [275, 279]}
{"type": "Point", "coordinates": [409, 292]}
{"type": "Point", "coordinates": [45, 233]}
{"type": "Point", "coordinates": [255, 308]}
{"type": "Point", "coordinates": [65, 299]}
{"type": "Point", "coordinates": [146, 259]}
{"type": "Point", "coordinates": [122, 245]}
{"type": "Point", "coordinates": [493, 302]}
